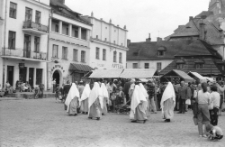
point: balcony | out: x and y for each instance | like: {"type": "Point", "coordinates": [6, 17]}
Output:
{"type": "Point", "coordinates": [35, 28]}
{"type": "Point", "coordinates": [23, 54]}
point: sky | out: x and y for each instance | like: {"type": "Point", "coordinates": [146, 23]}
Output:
{"type": "Point", "coordinates": [141, 17]}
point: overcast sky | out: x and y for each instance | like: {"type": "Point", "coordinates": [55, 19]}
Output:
{"type": "Point", "coordinates": [158, 17]}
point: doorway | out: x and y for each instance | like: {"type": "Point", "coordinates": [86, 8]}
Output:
{"type": "Point", "coordinates": [10, 73]}
{"type": "Point", "coordinates": [23, 75]}
{"type": "Point", "coordinates": [56, 76]}
{"type": "Point", "coordinates": [31, 77]}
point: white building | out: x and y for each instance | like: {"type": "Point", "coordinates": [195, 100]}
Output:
{"type": "Point", "coordinates": [1, 37]}
{"type": "Point", "coordinates": [25, 41]}
{"type": "Point", "coordinates": [69, 45]}
{"type": "Point", "coordinates": [108, 45]}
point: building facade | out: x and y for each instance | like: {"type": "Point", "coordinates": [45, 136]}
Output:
{"type": "Point", "coordinates": [25, 41]}
{"type": "Point", "coordinates": [1, 37]}
{"type": "Point", "coordinates": [108, 44]}
{"type": "Point", "coordinates": [69, 45]}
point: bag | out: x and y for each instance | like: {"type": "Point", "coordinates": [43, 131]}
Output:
{"type": "Point", "coordinates": [188, 102]}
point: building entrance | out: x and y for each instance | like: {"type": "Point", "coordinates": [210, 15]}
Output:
{"type": "Point", "coordinates": [23, 74]}
{"type": "Point", "coordinates": [56, 76]}
{"type": "Point", "coordinates": [10, 73]}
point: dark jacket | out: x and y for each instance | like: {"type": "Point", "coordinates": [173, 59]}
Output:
{"type": "Point", "coordinates": [183, 92]}
{"type": "Point", "coordinates": [126, 87]}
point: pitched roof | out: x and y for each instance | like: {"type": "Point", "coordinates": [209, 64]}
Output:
{"type": "Point", "coordinates": [149, 50]}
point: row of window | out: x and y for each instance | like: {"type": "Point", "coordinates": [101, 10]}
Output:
{"type": "Point", "coordinates": [27, 42]}
{"type": "Point", "coordinates": [97, 55]}
{"type": "Point", "coordinates": [197, 66]}
{"type": "Point", "coordinates": [159, 66]}
{"type": "Point", "coordinates": [66, 29]}
{"type": "Point", "coordinates": [55, 53]}
{"type": "Point", "coordinates": [28, 13]}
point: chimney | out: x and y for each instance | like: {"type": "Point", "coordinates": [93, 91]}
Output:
{"type": "Point", "coordinates": [92, 14]}
{"type": "Point", "coordinates": [61, 1]}
{"type": "Point", "coordinates": [191, 18]}
{"type": "Point", "coordinates": [128, 42]}
{"type": "Point", "coordinates": [159, 39]}
{"type": "Point", "coordinates": [202, 30]}
{"type": "Point", "coordinates": [149, 38]}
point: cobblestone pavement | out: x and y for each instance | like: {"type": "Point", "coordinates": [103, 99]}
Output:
{"type": "Point", "coordinates": [44, 123]}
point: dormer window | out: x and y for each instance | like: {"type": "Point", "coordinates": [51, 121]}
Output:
{"type": "Point", "coordinates": [161, 51]}
{"type": "Point", "coordinates": [180, 63]}
{"type": "Point", "coordinates": [198, 66]}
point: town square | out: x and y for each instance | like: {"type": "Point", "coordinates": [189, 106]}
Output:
{"type": "Point", "coordinates": [112, 73]}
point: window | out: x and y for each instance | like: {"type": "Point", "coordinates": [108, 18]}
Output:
{"type": "Point", "coordinates": [83, 56]}
{"type": "Point", "coordinates": [180, 66]}
{"type": "Point", "coordinates": [36, 44]}
{"type": "Point", "coordinates": [28, 14]}
{"type": "Point", "coordinates": [38, 17]}
{"type": "Point", "coordinates": [39, 76]}
{"type": "Point", "coordinates": [159, 66]}
{"type": "Point", "coordinates": [75, 31]}
{"type": "Point", "coordinates": [13, 10]}
{"type": "Point", "coordinates": [27, 46]}
{"type": "Point", "coordinates": [104, 54]}
{"type": "Point", "coordinates": [120, 58]}
{"type": "Point", "coordinates": [146, 65]}
{"type": "Point", "coordinates": [55, 51]}
{"type": "Point", "coordinates": [161, 53]}
{"type": "Point", "coordinates": [135, 65]}
{"type": "Point", "coordinates": [12, 40]}
{"type": "Point", "coordinates": [198, 66]}
{"type": "Point", "coordinates": [64, 53]}
{"type": "Point", "coordinates": [83, 34]}
{"type": "Point", "coordinates": [97, 53]}
{"type": "Point", "coordinates": [75, 55]}
{"type": "Point", "coordinates": [55, 25]}
{"type": "Point", "coordinates": [65, 28]}
{"type": "Point", "coordinates": [114, 56]}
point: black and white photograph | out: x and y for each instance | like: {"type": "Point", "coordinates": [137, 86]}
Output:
{"type": "Point", "coordinates": [112, 73]}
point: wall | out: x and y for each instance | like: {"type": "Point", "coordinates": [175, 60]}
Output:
{"type": "Point", "coordinates": [152, 63]}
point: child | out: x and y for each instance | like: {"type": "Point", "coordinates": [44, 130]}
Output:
{"type": "Point", "coordinates": [214, 132]}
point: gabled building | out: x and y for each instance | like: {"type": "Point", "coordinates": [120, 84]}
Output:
{"type": "Point", "coordinates": [24, 41]}
{"type": "Point", "coordinates": [69, 44]}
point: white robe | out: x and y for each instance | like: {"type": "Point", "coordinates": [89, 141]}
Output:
{"type": "Point", "coordinates": [85, 94]}
{"type": "Point", "coordinates": [94, 94]}
{"type": "Point", "coordinates": [73, 92]}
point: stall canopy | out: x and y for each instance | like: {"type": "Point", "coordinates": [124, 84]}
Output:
{"type": "Point", "coordinates": [197, 76]}
{"type": "Point", "coordinates": [138, 73]}
{"type": "Point", "coordinates": [80, 68]}
{"type": "Point", "coordinates": [110, 73]}
{"type": "Point", "coordinates": [177, 76]}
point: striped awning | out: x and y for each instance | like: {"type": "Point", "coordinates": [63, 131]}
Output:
{"type": "Point", "coordinates": [80, 67]}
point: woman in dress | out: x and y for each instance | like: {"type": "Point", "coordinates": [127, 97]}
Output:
{"type": "Point", "coordinates": [84, 99]}
{"type": "Point", "coordinates": [168, 102]}
{"type": "Point", "coordinates": [72, 100]}
{"type": "Point", "coordinates": [94, 103]}
{"type": "Point", "coordinates": [138, 105]}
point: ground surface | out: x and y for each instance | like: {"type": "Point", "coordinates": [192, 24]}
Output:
{"type": "Point", "coordinates": [44, 123]}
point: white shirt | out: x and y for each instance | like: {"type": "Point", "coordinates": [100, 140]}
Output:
{"type": "Point", "coordinates": [215, 99]}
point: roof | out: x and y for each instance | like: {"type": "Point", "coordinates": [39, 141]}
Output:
{"type": "Point", "coordinates": [65, 11]}
{"type": "Point", "coordinates": [149, 50]}
{"type": "Point", "coordinates": [138, 73]}
{"type": "Point", "coordinates": [80, 67]}
{"type": "Point", "coordinates": [110, 73]}
{"type": "Point", "coordinates": [198, 76]}
{"type": "Point", "coordinates": [181, 74]}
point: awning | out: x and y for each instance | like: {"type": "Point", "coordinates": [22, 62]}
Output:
{"type": "Point", "coordinates": [138, 73]}
{"type": "Point", "coordinates": [198, 76]}
{"type": "Point", "coordinates": [183, 75]}
{"type": "Point", "coordinates": [80, 67]}
{"type": "Point", "coordinates": [110, 73]}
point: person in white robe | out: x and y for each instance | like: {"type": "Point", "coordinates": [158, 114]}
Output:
{"type": "Point", "coordinates": [94, 103]}
{"type": "Point", "coordinates": [72, 100]}
{"type": "Point", "coordinates": [143, 89]}
{"type": "Point", "coordinates": [138, 105]}
{"type": "Point", "coordinates": [104, 98]}
{"type": "Point", "coordinates": [83, 102]}
{"type": "Point", "coordinates": [168, 102]}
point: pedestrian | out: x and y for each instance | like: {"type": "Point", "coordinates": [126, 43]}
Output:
{"type": "Point", "coordinates": [104, 97]}
{"type": "Point", "coordinates": [83, 103]}
{"type": "Point", "coordinates": [189, 96]}
{"type": "Point", "coordinates": [203, 99]}
{"type": "Point", "coordinates": [94, 104]}
{"type": "Point", "coordinates": [72, 100]}
{"type": "Point", "coordinates": [66, 89]}
{"type": "Point", "coordinates": [214, 132]}
{"type": "Point", "coordinates": [176, 88]}
{"type": "Point", "coordinates": [138, 106]}
{"type": "Point", "coordinates": [182, 94]}
{"type": "Point", "coordinates": [151, 93]}
{"type": "Point", "coordinates": [126, 90]}
{"type": "Point", "coordinates": [221, 90]}
{"type": "Point", "coordinates": [54, 85]}
{"type": "Point", "coordinates": [168, 102]}
{"type": "Point", "coordinates": [215, 100]}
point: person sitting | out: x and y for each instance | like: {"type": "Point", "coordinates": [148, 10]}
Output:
{"type": "Point", "coordinates": [213, 132]}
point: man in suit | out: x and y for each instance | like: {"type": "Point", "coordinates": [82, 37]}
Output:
{"type": "Point", "coordinates": [182, 96]}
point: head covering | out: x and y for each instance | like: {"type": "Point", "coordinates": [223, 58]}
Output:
{"type": "Point", "coordinates": [168, 93]}
{"type": "Point", "coordinates": [94, 94]}
{"type": "Point", "coordinates": [143, 90]}
{"type": "Point", "coordinates": [137, 97]}
{"type": "Point", "coordinates": [86, 93]}
{"type": "Point", "coordinates": [103, 93]}
{"type": "Point", "coordinates": [73, 92]}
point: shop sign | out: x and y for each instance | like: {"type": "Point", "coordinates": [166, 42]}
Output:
{"type": "Point", "coordinates": [21, 65]}
{"type": "Point", "coordinates": [118, 66]}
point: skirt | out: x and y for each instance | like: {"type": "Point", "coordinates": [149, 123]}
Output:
{"type": "Point", "coordinates": [168, 109]}
{"type": "Point", "coordinates": [84, 106]}
{"type": "Point", "coordinates": [94, 111]}
{"type": "Point", "coordinates": [104, 110]}
{"type": "Point", "coordinates": [139, 115]}
{"type": "Point", "coordinates": [73, 106]}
